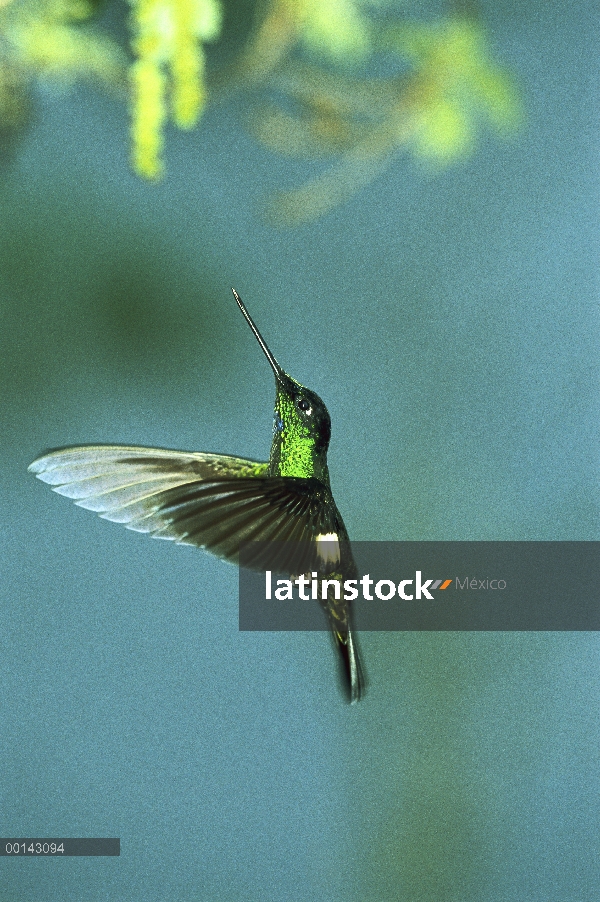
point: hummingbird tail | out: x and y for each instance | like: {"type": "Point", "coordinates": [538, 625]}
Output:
{"type": "Point", "coordinates": [353, 680]}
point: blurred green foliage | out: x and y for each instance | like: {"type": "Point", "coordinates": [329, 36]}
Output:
{"type": "Point", "coordinates": [307, 66]}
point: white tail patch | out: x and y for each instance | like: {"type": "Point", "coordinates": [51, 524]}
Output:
{"type": "Point", "coordinates": [328, 548]}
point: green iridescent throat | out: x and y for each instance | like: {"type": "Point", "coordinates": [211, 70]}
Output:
{"type": "Point", "coordinates": [296, 449]}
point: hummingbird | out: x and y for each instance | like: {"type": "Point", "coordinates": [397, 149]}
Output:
{"type": "Point", "coordinates": [217, 502]}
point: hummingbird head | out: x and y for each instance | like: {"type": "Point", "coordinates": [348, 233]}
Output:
{"type": "Point", "coordinates": [301, 423]}
{"type": "Point", "coordinates": [302, 410]}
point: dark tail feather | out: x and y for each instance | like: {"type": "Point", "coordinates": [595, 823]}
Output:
{"type": "Point", "coordinates": [353, 681]}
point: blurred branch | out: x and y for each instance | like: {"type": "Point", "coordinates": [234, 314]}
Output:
{"type": "Point", "coordinates": [304, 68]}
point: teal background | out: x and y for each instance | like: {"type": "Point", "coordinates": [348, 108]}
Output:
{"type": "Point", "coordinates": [450, 324]}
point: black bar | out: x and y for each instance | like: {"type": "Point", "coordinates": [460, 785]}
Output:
{"type": "Point", "coordinates": [480, 586]}
{"type": "Point", "coordinates": [42, 848]}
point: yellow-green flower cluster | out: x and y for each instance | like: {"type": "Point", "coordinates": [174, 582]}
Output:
{"type": "Point", "coordinates": [456, 83]}
{"type": "Point", "coordinates": [168, 71]}
{"type": "Point", "coordinates": [435, 111]}
{"type": "Point", "coordinates": [45, 38]}
{"type": "Point", "coordinates": [334, 28]}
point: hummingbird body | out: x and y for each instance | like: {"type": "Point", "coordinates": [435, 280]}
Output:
{"type": "Point", "coordinates": [217, 502]}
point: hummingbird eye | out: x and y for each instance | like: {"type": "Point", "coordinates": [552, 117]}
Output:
{"type": "Point", "coordinates": [304, 405]}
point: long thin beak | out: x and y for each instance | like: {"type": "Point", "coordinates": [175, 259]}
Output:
{"type": "Point", "coordinates": [279, 373]}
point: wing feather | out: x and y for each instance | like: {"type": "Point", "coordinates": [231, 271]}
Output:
{"type": "Point", "coordinates": [211, 501]}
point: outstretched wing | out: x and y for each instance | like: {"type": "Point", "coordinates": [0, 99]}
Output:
{"type": "Point", "coordinates": [208, 500]}
{"type": "Point", "coordinates": [215, 502]}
